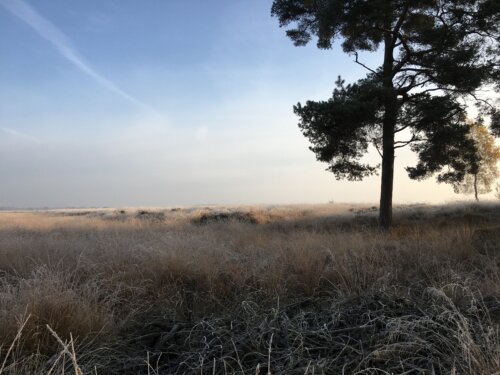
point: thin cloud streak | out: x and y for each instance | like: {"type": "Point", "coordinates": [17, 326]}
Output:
{"type": "Point", "coordinates": [18, 134]}
{"type": "Point", "coordinates": [63, 44]}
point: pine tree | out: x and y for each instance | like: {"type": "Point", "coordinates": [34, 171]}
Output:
{"type": "Point", "coordinates": [435, 53]}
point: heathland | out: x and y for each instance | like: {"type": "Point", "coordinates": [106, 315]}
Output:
{"type": "Point", "coordinates": [251, 290]}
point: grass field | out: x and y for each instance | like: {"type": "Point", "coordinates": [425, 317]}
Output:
{"type": "Point", "coordinates": [254, 290]}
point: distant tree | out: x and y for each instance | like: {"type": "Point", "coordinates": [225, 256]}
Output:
{"type": "Point", "coordinates": [481, 178]}
{"type": "Point", "coordinates": [435, 53]}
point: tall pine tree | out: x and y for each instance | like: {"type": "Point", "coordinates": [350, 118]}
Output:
{"type": "Point", "coordinates": [435, 53]}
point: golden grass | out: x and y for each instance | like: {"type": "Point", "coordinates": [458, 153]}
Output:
{"type": "Point", "coordinates": [103, 279]}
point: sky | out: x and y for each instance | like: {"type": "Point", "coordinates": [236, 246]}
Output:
{"type": "Point", "coordinates": [167, 102]}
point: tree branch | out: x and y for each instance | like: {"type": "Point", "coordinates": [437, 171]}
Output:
{"type": "Point", "coordinates": [363, 65]}
{"type": "Point", "coordinates": [402, 128]}
{"type": "Point", "coordinates": [406, 58]}
{"type": "Point", "coordinates": [374, 140]}
{"type": "Point", "coordinates": [400, 144]}
{"type": "Point", "coordinates": [399, 24]}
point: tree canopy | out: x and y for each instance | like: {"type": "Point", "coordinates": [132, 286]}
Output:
{"type": "Point", "coordinates": [436, 55]}
{"type": "Point", "coordinates": [481, 179]}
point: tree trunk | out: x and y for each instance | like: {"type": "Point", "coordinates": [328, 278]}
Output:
{"type": "Point", "coordinates": [475, 187]}
{"type": "Point", "coordinates": [389, 125]}
{"type": "Point", "coordinates": [387, 180]}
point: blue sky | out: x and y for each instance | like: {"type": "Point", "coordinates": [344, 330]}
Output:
{"type": "Point", "coordinates": [165, 102]}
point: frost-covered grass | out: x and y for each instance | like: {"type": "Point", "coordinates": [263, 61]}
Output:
{"type": "Point", "coordinates": [284, 289]}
